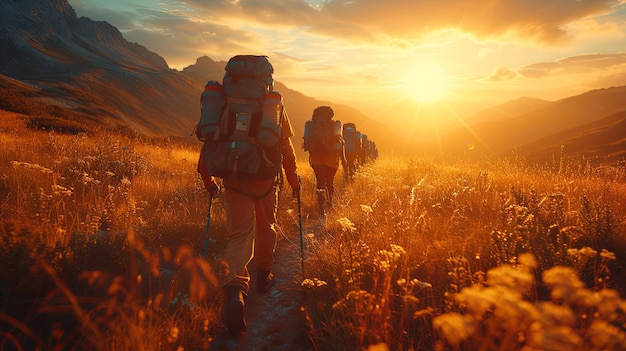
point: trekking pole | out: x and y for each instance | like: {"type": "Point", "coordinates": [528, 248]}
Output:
{"type": "Point", "coordinates": [206, 229]}
{"type": "Point", "coordinates": [300, 225]}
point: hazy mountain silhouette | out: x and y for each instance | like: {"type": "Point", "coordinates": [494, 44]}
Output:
{"type": "Point", "coordinates": [508, 110]}
{"type": "Point", "coordinates": [503, 135]}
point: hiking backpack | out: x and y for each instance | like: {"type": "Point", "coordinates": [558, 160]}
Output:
{"type": "Point", "coordinates": [321, 132]}
{"type": "Point", "coordinates": [352, 138]}
{"type": "Point", "coordinates": [240, 122]}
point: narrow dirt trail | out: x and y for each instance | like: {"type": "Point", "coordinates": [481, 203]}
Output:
{"type": "Point", "coordinates": [275, 321]}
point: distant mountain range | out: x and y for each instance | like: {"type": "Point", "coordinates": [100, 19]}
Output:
{"type": "Point", "coordinates": [59, 70]}
{"type": "Point", "coordinates": [538, 128]}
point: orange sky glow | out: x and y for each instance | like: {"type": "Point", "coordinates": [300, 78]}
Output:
{"type": "Point", "coordinates": [372, 54]}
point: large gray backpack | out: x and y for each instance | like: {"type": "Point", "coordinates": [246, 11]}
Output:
{"type": "Point", "coordinates": [240, 122]}
{"type": "Point", "coordinates": [321, 133]}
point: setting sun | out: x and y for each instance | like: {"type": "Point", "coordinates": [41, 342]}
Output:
{"type": "Point", "coordinates": [426, 83]}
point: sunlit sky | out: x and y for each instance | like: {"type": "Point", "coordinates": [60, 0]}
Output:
{"type": "Point", "coordinates": [373, 53]}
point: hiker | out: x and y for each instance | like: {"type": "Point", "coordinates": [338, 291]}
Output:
{"type": "Point", "coordinates": [324, 141]}
{"type": "Point", "coordinates": [363, 155]}
{"type": "Point", "coordinates": [248, 120]}
{"type": "Point", "coordinates": [352, 148]}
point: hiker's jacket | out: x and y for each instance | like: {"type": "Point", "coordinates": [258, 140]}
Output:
{"type": "Point", "coordinates": [260, 187]}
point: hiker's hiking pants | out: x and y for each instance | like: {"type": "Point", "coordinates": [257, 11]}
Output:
{"type": "Point", "coordinates": [325, 176]}
{"type": "Point", "coordinates": [251, 233]}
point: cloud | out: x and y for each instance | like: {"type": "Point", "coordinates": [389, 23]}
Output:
{"type": "Point", "coordinates": [182, 29]}
{"type": "Point", "coordinates": [396, 21]}
{"type": "Point", "coordinates": [390, 22]}
{"type": "Point", "coordinates": [590, 64]}
{"type": "Point", "coordinates": [580, 64]}
{"type": "Point", "coordinates": [502, 73]}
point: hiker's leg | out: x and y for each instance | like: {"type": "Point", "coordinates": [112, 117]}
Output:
{"type": "Point", "coordinates": [238, 253]}
{"type": "Point", "coordinates": [265, 243]}
{"type": "Point", "coordinates": [240, 236]}
{"type": "Point", "coordinates": [320, 177]}
{"type": "Point", "coordinates": [330, 182]}
{"type": "Point", "coordinates": [320, 187]}
{"type": "Point", "coordinates": [351, 164]}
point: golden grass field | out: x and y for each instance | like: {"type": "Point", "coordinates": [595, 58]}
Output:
{"type": "Point", "coordinates": [427, 253]}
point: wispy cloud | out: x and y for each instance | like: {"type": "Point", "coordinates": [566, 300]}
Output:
{"type": "Point", "coordinates": [580, 64]}
{"type": "Point", "coordinates": [226, 24]}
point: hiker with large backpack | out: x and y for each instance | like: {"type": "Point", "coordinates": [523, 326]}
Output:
{"type": "Point", "coordinates": [246, 133]}
{"type": "Point", "coordinates": [363, 155]}
{"type": "Point", "coordinates": [352, 139]}
{"type": "Point", "coordinates": [324, 141]}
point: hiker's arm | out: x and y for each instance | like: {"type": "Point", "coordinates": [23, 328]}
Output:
{"type": "Point", "coordinates": [289, 153]}
{"type": "Point", "coordinates": [342, 154]}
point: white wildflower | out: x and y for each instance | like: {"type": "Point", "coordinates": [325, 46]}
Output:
{"type": "Point", "coordinates": [346, 224]}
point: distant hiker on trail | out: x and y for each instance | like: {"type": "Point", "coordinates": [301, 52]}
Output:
{"type": "Point", "coordinates": [247, 141]}
{"type": "Point", "coordinates": [324, 141]}
{"type": "Point", "coordinates": [352, 139]}
{"type": "Point", "coordinates": [363, 156]}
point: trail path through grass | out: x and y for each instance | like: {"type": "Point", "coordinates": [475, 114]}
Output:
{"type": "Point", "coordinates": [274, 319]}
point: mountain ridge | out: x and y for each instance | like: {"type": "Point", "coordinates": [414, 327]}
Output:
{"type": "Point", "coordinates": [508, 109]}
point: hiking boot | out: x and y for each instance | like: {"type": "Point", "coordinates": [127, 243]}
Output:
{"type": "Point", "coordinates": [265, 280]}
{"type": "Point", "coordinates": [235, 302]}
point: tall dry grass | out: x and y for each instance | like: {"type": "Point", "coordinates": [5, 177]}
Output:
{"type": "Point", "coordinates": [102, 236]}
{"type": "Point", "coordinates": [413, 245]}
{"type": "Point", "coordinates": [99, 243]}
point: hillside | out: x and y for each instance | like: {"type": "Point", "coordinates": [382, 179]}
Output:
{"type": "Point", "coordinates": [493, 137]}
{"type": "Point", "coordinates": [603, 140]}
{"type": "Point", "coordinates": [508, 110]}
{"type": "Point", "coordinates": [90, 73]}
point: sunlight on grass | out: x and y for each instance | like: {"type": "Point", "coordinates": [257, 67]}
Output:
{"type": "Point", "coordinates": [102, 234]}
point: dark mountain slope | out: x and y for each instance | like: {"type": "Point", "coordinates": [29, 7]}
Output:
{"type": "Point", "coordinates": [89, 69]}
{"type": "Point", "coordinates": [44, 38]}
